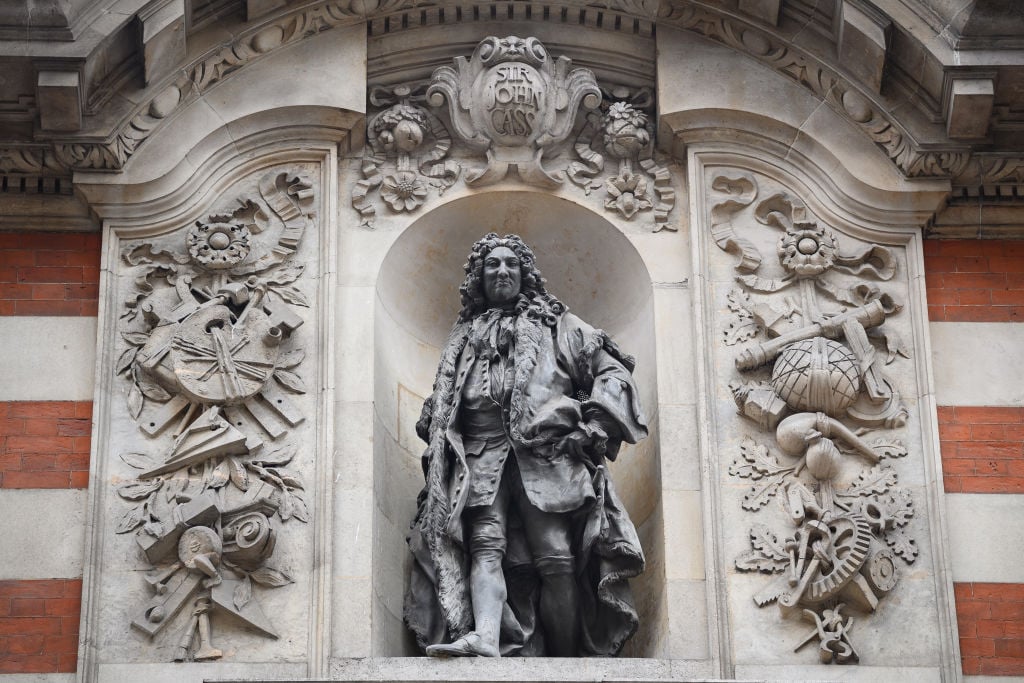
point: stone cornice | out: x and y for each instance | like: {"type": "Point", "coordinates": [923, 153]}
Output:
{"type": "Point", "coordinates": [192, 82]}
{"type": "Point", "coordinates": [915, 158]}
{"type": "Point", "coordinates": [842, 93]}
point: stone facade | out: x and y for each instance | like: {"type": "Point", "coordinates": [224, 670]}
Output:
{"type": "Point", "coordinates": [798, 217]}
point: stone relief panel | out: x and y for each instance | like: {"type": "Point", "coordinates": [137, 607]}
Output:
{"type": "Point", "coordinates": [819, 445]}
{"type": "Point", "coordinates": [212, 485]}
{"type": "Point", "coordinates": [512, 112]}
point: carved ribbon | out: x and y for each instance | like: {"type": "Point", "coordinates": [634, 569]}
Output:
{"type": "Point", "coordinates": [740, 191]}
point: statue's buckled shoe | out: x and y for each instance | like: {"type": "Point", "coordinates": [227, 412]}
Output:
{"type": "Point", "coordinates": [470, 645]}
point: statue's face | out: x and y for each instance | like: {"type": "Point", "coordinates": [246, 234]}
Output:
{"type": "Point", "coordinates": [502, 276]}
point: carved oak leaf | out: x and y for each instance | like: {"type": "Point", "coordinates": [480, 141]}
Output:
{"type": "Point", "coordinates": [889, 448]}
{"type": "Point", "coordinates": [877, 479]}
{"type": "Point", "coordinates": [760, 493]}
{"type": "Point", "coordinates": [756, 463]}
{"type": "Point", "coordinates": [900, 506]}
{"type": "Point", "coordinates": [766, 554]}
{"type": "Point", "coordinates": [740, 326]}
{"type": "Point", "coordinates": [902, 544]}
{"type": "Point", "coordinates": [139, 489]}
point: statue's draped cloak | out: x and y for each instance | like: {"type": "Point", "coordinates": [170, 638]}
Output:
{"type": "Point", "coordinates": [556, 362]}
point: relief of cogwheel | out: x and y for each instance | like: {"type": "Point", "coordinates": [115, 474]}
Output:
{"type": "Point", "coordinates": [219, 242]}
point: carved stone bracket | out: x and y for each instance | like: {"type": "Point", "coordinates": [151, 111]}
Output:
{"type": "Point", "coordinates": [814, 382]}
{"type": "Point", "coordinates": [622, 131]}
{"type": "Point", "coordinates": [407, 148]}
{"type": "Point", "coordinates": [211, 359]}
{"type": "Point", "coordinates": [512, 100]}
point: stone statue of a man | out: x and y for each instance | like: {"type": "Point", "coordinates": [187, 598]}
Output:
{"type": "Point", "coordinates": [521, 546]}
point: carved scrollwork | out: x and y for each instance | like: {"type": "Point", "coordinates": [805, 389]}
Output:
{"type": "Point", "coordinates": [622, 130]}
{"type": "Point", "coordinates": [815, 383]}
{"type": "Point", "coordinates": [211, 357]}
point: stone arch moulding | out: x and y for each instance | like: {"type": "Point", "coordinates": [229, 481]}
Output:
{"type": "Point", "coordinates": [210, 507]}
{"type": "Point", "coordinates": [819, 425]}
{"type": "Point", "coordinates": [709, 90]}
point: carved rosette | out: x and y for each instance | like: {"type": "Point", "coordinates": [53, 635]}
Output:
{"type": "Point", "coordinates": [636, 183]}
{"type": "Point", "coordinates": [407, 149]}
{"type": "Point", "coordinates": [514, 101]}
{"type": "Point", "coordinates": [812, 380]}
{"type": "Point", "coordinates": [211, 367]}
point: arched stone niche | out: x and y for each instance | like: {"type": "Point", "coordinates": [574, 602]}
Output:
{"type": "Point", "coordinates": [593, 268]}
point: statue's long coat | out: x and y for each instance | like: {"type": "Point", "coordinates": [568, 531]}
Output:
{"type": "Point", "coordinates": [554, 362]}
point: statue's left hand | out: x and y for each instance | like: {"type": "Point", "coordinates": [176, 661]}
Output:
{"type": "Point", "coordinates": [586, 440]}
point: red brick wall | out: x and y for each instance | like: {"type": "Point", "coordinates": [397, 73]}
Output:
{"type": "Point", "coordinates": [49, 273]}
{"type": "Point", "coordinates": [991, 621]}
{"type": "Point", "coordinates": [45, 444]}
{"type": "Point", "coordinates": [982, 446]}
{"type": "Point", "coordinates": [39, 625]}
{"type": "Point", "coordinates": [974, 280]}
{"type": "Point", "coordinates": [982, 449]}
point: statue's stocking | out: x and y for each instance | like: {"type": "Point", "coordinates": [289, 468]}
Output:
{"type": "Point", "coordinates": [559, 605]}
{"type": "Point", "coordinates": [488, 591]}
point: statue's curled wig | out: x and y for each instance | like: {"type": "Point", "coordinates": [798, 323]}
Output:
{"type": "Point", "coordinates": [533, 297]}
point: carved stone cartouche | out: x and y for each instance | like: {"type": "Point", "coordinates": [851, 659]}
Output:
{"type": "Point", "coordinates": [514, 101]}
